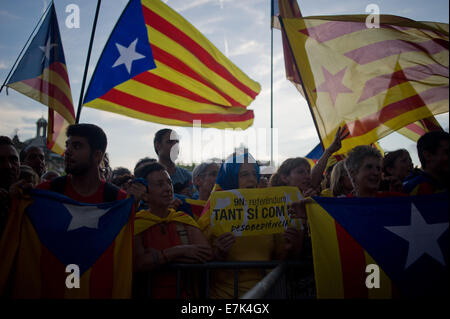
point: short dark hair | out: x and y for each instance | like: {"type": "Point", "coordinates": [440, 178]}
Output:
{"type": "Point", "coordinates": [146, 169]}
{"type": "Point", "coordinates": [430, 142]}
{"type": "Point", "coordinates": [143, 161]}
{"type": "Point", "coordinates": [24, 152]}
{"type": "Point", "coordinates": [159, 136]}
{"type": "Point", "coordinates": [390, 158]}
{"type": "Point", "coordinates": [95, 136]}
{"type": "Point", "coordinates": [5, 140]}
{"type": "Point", "coordinates": [118, 171]}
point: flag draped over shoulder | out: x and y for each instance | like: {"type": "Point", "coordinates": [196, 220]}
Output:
{"type": "Point", "coordinates": [372, 80]}
{"type": "Point", "coordinates": [157, 67]}
{"type": "Point", "coordinates": [47, 231]}
{"type": "Point", "coordinates": [42, 75]}
{"type": "Point", "coordinates": [406, 237]}
{"type": "Point", "coordinates": [145, 219]}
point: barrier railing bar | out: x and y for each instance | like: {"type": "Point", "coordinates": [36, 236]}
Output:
{"type": "Point", "coordinates": [178, 293]}
{"type": "Point", "coordinates": [262, 287]}
{"type": "Point", "coordinates": [207, 274]}
{"type": "Point", "coordinates": [236, 283]}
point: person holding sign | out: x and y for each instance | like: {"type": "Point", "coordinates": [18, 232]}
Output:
{"type": "Point", "coordinates": [163, 235]}
{"type": "Point", "coordinates": [240, 173]}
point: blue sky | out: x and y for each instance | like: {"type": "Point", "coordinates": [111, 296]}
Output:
{"type": "Point", "coordinates": [239, 28]}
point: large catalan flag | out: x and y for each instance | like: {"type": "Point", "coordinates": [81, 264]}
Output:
{"type": "Point", "coordinates": [48, 231]}
{"type": "Point", "coordinates": [373, 80]}
{"type": "Point", "coordinates": [42, 75]}
{"type": "Point", "coordinates": [157, 67]}
{"type": "Point", "coordinates": [407, 238]}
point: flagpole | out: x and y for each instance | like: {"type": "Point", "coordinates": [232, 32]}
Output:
{"type": "Point", "coordinates": [26, 44]}
{"type": "Point", "coordinates": [80, 100]}
{"type": "Point", "coordinates": [301, 82]}
{"type": "Point", "coordinates": [271, 88]}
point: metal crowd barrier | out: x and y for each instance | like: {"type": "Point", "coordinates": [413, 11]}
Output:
{"type": "Point", "coordinates": [265, 288]}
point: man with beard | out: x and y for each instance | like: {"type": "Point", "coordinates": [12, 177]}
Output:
{"type": "Point", "coordinates": [85, 148]}
{"type": "Point", "coordinates": [33, 156]}
{"type": "Point", "coordinates": [9, 174]}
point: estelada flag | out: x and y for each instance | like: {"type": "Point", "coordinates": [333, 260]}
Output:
{"type": "Point", "coordinates": [47, 232]}
{"type": "Point", "coordinates": [372, 80]}
{"type": "Point", "coordinates": [406, 238]}
{"type": "Point", "coordinates": [42, 75]}
{"type": "Point", "coordinates": [157, 67]}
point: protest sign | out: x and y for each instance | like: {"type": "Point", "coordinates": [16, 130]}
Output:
{"type": "Point", "coordinates": [251, 212]}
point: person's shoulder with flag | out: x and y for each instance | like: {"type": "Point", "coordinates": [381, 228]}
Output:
{"type": "Point", "coordinates": [421, 183]}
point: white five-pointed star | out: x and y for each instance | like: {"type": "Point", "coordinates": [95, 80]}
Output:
{"type": "Point", "coordinates": [127, 55]}
{"type": "Point", "coordinates": [84, 216]}
{"type": "Point", "coordinates": [46, 49]}
{"type": "Point", "coordinates": [422, 237]}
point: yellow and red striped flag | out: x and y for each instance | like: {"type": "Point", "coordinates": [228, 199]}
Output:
{"type": "Point", "coordinates": [157, 67]}
{"type": "Point", "coordinates": [372, 80]}
{"type": "Point", "coordinates": [415, 130]}
{"type": "Point", "coordinates": [42, 75]}
{"type": "Point", "coordinates": [48, 236]}
{"type": "Point", "coordinates": [367, 248]}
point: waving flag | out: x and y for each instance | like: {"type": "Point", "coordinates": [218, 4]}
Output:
{"type": "Point", "coordinates": [373, 80]}
{"type": "Point", "coordinates": [157, 67]}
{"type": "Point", "coordinates": [48, 231]}
{"type": "Point", "coordinates": [406, 237]}
{"type": "Point", "coordinates": [42, 75]}
{"type": "Point", "coordinates": [287, 9]}
{"type": "Point", "coordinates": [415, 130]}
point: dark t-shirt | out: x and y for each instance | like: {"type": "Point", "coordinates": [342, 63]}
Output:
{"type": "Point", "coordinates": [70, 192]}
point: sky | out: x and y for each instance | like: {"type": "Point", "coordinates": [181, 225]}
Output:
{"type": "Point", "coordinates": [238, 28]}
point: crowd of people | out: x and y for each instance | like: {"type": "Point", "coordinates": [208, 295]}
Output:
{"type": "Point", "coordinates": [165, 229]}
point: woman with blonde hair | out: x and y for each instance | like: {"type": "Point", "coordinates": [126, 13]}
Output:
{"type": "Point", "coordinates": [340, 183]}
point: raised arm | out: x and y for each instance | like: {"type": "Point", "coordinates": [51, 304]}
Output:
{"type": "Point", "coordinates": [319, 168]}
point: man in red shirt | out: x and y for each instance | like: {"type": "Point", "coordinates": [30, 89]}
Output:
{"type": "Point", "coordinates": [85, 148]}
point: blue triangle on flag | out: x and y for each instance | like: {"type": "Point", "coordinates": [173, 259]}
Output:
{"type": "Point", "coordinates": [126, 54]}
{"type": "Point", "coordinates": [35, 60]}
{"type": "Point", "coordinates": [74, 232]}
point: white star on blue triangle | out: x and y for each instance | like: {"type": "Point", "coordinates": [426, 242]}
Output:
{"type": "Point", "coordinates": [422, 237]}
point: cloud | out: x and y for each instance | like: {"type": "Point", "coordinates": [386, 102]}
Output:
{"type": "Point", "coordinates": [247, 47]}
{"type": "Point", "coordinates": [8, 15]}
{"type": "Point", "coordinates": [191, 5]}
{"type": "Point", "coordinates": [3, 66]}
{"type": "Point", "coordinates": [14, 118]}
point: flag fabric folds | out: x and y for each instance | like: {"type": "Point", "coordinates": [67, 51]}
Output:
{"type": "Point", "coordinates": [56, 132]}
{"type": "Point", "coordinates": [415, 130]}
{"type": "Point", "coordinates": [157, 67]}
{"type": "Point", "coordinates": [48, 231]}
{"type": "Point", "coordinates": [287, 9]}
{"type": "Point", "coordinates": [42, 75]}
{"type": "Point", "coordinates": [372, 80]}
{"type": "Point", "coordinates": [407, 238]}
